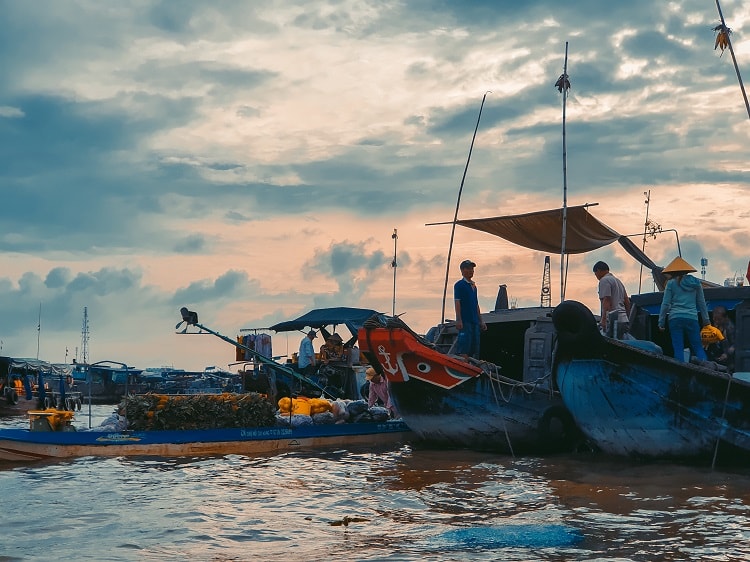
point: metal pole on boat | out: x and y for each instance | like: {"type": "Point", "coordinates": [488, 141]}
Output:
{"type": "Point", "coordinates": [563, 85]}
{"type": "Point", "coordinates": [88, 378]}
{"type": "Point", "coordinates": [645, 230]}
{"type": "Point", "coordinates": [458, 203]}
{"type": "Point", "coordinates": [394, 265]}
{"type": "Point", "coordinates": [724, 29]}
{"type": "Point", "coordinates": [38, 330]}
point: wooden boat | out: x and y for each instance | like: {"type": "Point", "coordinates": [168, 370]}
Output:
{"type": "Point", "coordinates": [514, 404]}
{"type": "Point", "coordinates": [630, 398]}
{"type": "Point", "coordinates": [446, 400]}
{"type": "Point", "coordinates": [24, 445]}
{"type": "Point", "coordinates": [20, 381]}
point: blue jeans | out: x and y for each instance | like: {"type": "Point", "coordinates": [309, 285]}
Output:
{"type": "Point", "coordinates": [686, 328]}
{"type": "Point", "coordinates": [468, 341]}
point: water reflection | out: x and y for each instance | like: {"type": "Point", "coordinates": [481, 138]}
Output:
{"type": "Point", "coordinates": [408, 504]}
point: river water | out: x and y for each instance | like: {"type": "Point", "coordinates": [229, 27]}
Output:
{"type": "Point", "coordinates": [404, 504]}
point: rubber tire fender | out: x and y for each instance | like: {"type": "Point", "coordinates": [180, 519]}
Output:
{"type": "Point", "coordinates": [563, 436]}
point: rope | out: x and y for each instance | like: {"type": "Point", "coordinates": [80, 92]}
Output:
{"type": "Point", "coordinates": [723, 414]}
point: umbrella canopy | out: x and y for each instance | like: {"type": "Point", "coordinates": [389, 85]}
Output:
{"type": "Point", "coordinates": [352, 318]}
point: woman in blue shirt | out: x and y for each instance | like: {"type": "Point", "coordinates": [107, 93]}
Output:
{"type": "Point", "coordinates": [682, 301]}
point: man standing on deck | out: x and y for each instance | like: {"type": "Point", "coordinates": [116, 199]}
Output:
{"type": "Point", "coordinates": [615, 315]}
{"type": "Point", "coordinates": [468, 316]}
{"type": "Point", "coordinates": [306, 355]}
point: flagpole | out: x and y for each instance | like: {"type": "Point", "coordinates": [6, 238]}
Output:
{"type": "Point", "coordinates": [38, 330]}
{"type": "Point", "coordinates": [458, 202]}
{"type": "Point", "coordinates": [394, 265]}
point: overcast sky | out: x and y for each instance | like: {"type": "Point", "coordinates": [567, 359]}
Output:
{"type": "Point", "coordinates": [250, 160]}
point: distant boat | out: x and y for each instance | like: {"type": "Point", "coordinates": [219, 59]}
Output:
{"type": "Point", "coordinates": [167, 380]}
{"type": "Point", "coordinates": [448, 401]}
{"type": "Point", "coordinates": [106, 382]}
{"type": "Point", "coordinates": [19, 386]}
{"type": "Point", "coordinates": [631, 398]}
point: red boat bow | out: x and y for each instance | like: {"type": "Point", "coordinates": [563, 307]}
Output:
{"type": "Point", "coordinates": [402, 356]}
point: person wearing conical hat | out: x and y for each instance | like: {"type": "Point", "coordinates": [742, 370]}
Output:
{"type": "Point", "coordinates": [683, 300]}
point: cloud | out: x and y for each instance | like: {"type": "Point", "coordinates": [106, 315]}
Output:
{"type": "Point", "coordinates": [57, 278]}
{"type": "Point", "coordinates": [155, 154]}
{"type": "Point", "coordinates": [229, 285]}
{"type": "Point", "coordinates": [11, 112]}
{"type": "Point", "coordinates": [192, 244]}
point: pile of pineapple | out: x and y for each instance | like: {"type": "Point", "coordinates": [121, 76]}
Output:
{"type": "Point", "coordinates": [197, 411]}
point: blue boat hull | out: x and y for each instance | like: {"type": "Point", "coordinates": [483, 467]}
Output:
{"type": "Point", "coordinates": [634, 401]}
{"type": "Point", "coordinates": [26, 445]}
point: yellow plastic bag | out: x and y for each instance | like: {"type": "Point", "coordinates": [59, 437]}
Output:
{"type": "Point", "coordinates": [711, 334]}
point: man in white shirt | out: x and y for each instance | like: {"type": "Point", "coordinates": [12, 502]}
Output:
{"type": "Point", "coordinates": [615, 313]}
{"type": "Point", "coordinates": [306, 355]}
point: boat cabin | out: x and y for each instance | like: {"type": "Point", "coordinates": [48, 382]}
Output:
{"type": "Point", "coordinates": [343, 375]}
{"type": "Point", "coordinates": [518, 340]}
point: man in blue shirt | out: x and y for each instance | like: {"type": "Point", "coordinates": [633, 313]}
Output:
{"type": "Point", "coordinates": [468, 316]}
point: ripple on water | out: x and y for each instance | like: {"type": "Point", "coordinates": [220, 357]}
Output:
{"type": "Point", "coordinates": [406, 505]}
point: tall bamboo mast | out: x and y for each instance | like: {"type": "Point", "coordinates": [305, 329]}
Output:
{"type": "Point", "coordinates": [563, 85]}
{"type": "Point", "coordinates": [458, 203]}
{"type": "Point", "coordinates": [723, 29]}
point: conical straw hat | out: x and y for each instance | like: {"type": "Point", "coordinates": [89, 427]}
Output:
{"type": "Point", "coordinates": [678, 265]}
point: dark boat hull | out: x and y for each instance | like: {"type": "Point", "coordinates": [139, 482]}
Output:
{"type": "Point", "coordinates": [481, 414]}
{"type": "Point", "coordinates": [450, 402]}
{"type": "Point", "coordinates": [629, 399]}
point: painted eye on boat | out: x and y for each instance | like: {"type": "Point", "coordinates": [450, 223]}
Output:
{"type": "Point", "coordinates": [423, 367]}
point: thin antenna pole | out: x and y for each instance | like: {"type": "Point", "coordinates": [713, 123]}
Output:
{"type": "Point", "coordinates": [394, 265]}
{"type": "Point", "coordinates": [458, 203]}
{"type": "Point", "coordinates": [85, 336]}
{"type": "Point", "coordinates": [645, 230]}
{"type": "Point", "coordinates": [734, 59]}
{"type": "Point", "coordinates": [39, 330]}
{"type": "Point", "coordinates": [565, 86]}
